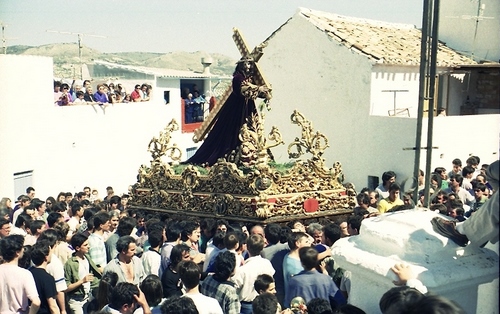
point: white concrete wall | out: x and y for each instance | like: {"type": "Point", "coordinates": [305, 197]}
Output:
{"type": "Point", "coordinates": [330, 85]}
{"type": "Point", "coordinates": [394, 78]}
{"type": "Point", "coordinates": [326, 82]}
{"type": "Point", "coordinates": [71, 147]}
{"type": "Point", "coordinates": [457, 26]}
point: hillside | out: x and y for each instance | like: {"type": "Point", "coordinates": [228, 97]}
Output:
{"type": "Point", "coordinates": [66, 59]}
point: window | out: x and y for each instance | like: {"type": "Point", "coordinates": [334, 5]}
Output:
{"type": "Point", "coordinates": [22, 180]}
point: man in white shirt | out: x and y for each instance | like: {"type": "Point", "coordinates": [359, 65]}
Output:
{"type": "Point", "coordinates": [190, 274]}
{"type": "Point", "coordinates": [254, 266]}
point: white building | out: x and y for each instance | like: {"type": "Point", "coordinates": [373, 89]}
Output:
{"type": "Point", "coordinates": [341, 73]}
{"type": "Point", "coordinates": [66, 148]}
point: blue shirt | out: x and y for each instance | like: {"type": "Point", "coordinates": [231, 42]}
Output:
{"type": "Point", "coordinates": [311, 284]}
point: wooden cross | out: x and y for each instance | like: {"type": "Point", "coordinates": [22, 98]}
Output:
{"type": "Point", "coordinates": [258, 78]}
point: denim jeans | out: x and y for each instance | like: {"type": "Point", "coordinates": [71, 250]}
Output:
{"type": "Point", "coordinates": [246, 308]}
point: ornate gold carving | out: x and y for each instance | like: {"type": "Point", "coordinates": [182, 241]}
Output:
{"type": "Point", "coordinates": [314, 143]}
{"type": "Point", "coordinates": [249, 187]}
{"type": "Point", "coordinates": [158, 147]}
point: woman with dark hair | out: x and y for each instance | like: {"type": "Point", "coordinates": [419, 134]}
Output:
{"type": "Point", "coordinates": [170, 279]}
{"type": "Point", "coordinates": [49, 202]}
{"type": "Point", "coordinates": [224, 135]}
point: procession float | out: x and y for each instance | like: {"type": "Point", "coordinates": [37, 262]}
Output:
{"type": "Point", "coordinates": [233, 174]}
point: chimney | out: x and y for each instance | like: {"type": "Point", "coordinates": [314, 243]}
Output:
{"type": "Point", "coordinates": [206, 62]}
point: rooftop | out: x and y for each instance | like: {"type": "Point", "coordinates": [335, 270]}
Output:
{"type": "Point", "coordinates": [383, 42]}
{"type": "Point", "coordinates": [158, 72]}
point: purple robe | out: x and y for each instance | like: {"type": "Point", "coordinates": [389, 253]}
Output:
{"type": "Point", "coordinates": [224, 136]}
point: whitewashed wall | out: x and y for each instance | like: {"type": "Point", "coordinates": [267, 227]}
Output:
{"type": "Point", "coordinates": [394, 78]}
{"type": "Point", "coordinates": [330, 85]}
{"type": "Point", "coordinates": [71, 147]}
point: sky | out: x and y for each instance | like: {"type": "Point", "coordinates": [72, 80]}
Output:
{"type": "Point", "coordinates": [166, 25]}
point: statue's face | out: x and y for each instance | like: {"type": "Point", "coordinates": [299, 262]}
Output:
{"type": "Point", "coordinates": [247, 67]}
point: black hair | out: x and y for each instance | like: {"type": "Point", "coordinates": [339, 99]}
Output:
{"type": "Point", "coordinates": [262, 282]}
{"type": "Point", "coordinates": [100, 219]}
{"type": "Point", "coordinates": [386, 176]}
{"type": "Point", "coordinates": [265, 303]}
{"type": "Point", "coordinates": [52, 218]}
{"type": "Point", "coordinates": [294, 237]}
{"type": "Point", "coordinates": [273, 233]}
{"type": "Point", "coordinates": [173, 231]}
{"type": "Point", "coordinates": [348, 309]}
{"type": "Point", "coordinates": [436, 304]}
{"type": "Point", "coordinates": [176, 254]}
{"type": "Point", "coordinates": [39, 252]}
{"type": "Point", "coordinates": [49, 235]}
{"type": "Point", "coordinates": [209, 224]}
{"type": "Point", "coordinates": [308, 257]}
{"type": "Point", "coordinates": [75, 208]}
{"type": "Point", "coordinates": [332, 231]}
{"type": "Point", "coordinates": [152, 288]}
{"type": "Point", "coordinates": [318, 306]}
{"type": "Point", "coordinates": [35, 225]}
{"type": "Point", "coordinates": [123, 293]}
{"type": "Point", "coordinates": [224, 265]}
{"type": "Point", "coordinates": [218, 238]}
{"type": "Point", "coordinates": [10, 246]}
{"type": "Point", "coordinates": [457, 162]}
{"type": "Point", "coordinates": [123, 243]}
{"type": "Point", "coordinates": [179, 305]}
{"type": "Point", "coordinates": [188, 228]}
{"type": "Point", "coordinates": [23, 219]}
{"type": "Point", "coordinates": [399, 299]}
{"type": "Point", "coordinates": [189, 273]}
{"type": "Point", "coordinates": [363, 198]}
{"type": "Point", "coordinates": [78, 239]}
{"type": "Point", "coordinates": [108, 282]}
{"type": "Point", "coordinates": [89, 212]}
{"type": "Point", "coordinates": [125, 226]}
{"type": "Point", "coordinates": [155, 238]}
{"type": "Point", "coordinates": [394, 187]}
{"type": "Point", "coordinates": [115, 199]}
{"type": "Point", "coordinates": [355, 222]}
{"type": "Point", "coordinates": [37, 203]}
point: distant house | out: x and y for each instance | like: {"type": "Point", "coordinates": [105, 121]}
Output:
{"type": "Point", "coordinates": [169, 86]}
{"type": "Point", "coordinates": [357, 81]}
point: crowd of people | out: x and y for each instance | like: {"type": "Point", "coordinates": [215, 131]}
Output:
{"type": "Point", "coordinates": [80, 254]}
{"type": "Point", "coordinates": [106, 93]}
{"type": "Point", "coordinates": [194, 104]}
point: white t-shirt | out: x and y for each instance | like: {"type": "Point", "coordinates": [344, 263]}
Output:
{"type": "Point", "coordinates": [18, 285]}
{"type": "Point", "coordinates": [204, 304]}
{"type": "Point", "coordinates": [56, 269]}
{"type": "Point", "coordinates": [84, 270]}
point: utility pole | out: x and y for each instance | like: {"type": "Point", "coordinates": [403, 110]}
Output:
{"type": "Point", "coordinates": [426, 90]}
{"type": "Point", "coordinates": [4, 39]}
{"type": "Point", "coordinates": [80, 45]}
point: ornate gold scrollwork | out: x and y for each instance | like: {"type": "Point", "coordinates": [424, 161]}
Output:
{"type": "Point", "coordinates": [313, 142]}
{"type": "Point", "coordinates": [158, 147]}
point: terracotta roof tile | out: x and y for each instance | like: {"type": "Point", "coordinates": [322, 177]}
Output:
{"type": "Point", "coordinates": [384, 42]}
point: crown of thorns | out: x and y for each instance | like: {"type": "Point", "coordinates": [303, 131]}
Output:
{"type": "Point", "coordinates": [245, 59]}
